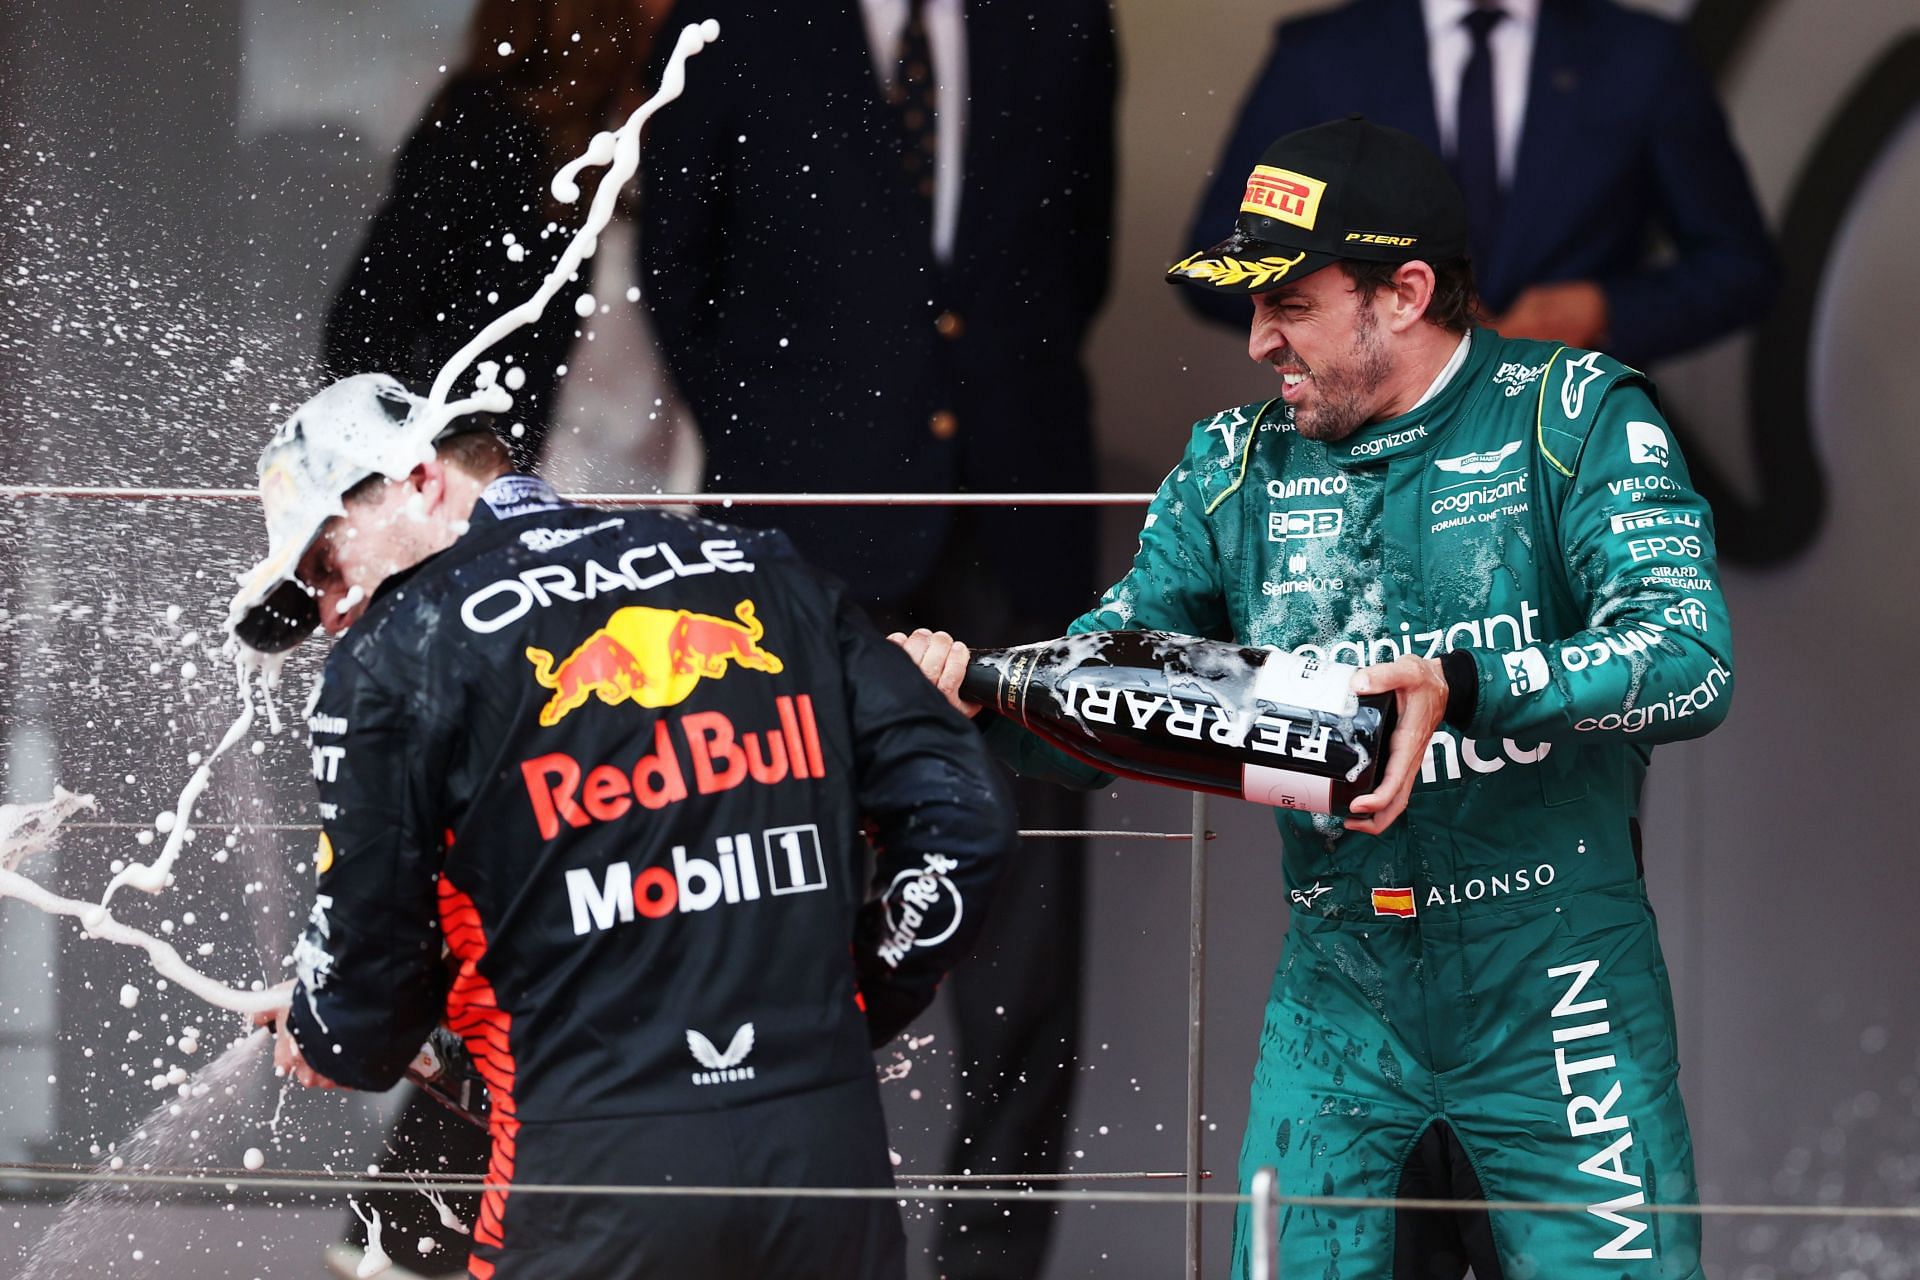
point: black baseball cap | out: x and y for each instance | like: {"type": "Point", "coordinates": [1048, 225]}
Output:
{"type": "Point", "coordinates": [1346, 189]}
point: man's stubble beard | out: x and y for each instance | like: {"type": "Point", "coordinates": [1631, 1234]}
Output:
{"type": "Point", "coordinates": [1346, 391]}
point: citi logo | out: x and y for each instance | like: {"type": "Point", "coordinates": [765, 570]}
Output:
{"type": "Point", "coordinates": [721, 1068]}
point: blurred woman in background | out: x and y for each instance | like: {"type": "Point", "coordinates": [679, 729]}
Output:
{"type": "Point", "coordinates": [469, 228]}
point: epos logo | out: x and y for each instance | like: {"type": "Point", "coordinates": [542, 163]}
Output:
{"type": "Point", "coordinates": [1664, 545]}
{"type": "Point", "coordinates": [1316, 522]}
{"type": "Point", "coordinates": [793, 864]}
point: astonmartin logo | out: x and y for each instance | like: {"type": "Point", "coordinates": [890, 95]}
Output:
{"type": "Point", "coordinates": [1478, 464]}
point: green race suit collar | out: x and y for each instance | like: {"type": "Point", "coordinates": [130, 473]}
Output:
{"type": "Point", "coordinates": [1421, 428]}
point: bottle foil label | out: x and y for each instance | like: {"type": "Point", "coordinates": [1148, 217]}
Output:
{"type": "Point", "coordinates": [1286, 789]}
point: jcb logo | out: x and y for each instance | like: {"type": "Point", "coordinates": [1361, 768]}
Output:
{"type": "Point", "coordinates": [1315, 522]}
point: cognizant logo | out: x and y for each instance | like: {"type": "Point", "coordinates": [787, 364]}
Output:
{"type": "Point", "coordinates": [1511, 484]}
{"type": "Point", "coordinates": [1393, 440]}
{"type": "Point", "coordinates": [1675, 706]}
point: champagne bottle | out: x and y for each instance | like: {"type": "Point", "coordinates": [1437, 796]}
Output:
{"type": "Point", "coordinates": [1276, 728]}
{"type": "Point", "coordinates": [446, 1073]}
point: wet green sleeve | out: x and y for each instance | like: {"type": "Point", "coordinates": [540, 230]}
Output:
{"type": "Point", "coordinates": [1655, 662]}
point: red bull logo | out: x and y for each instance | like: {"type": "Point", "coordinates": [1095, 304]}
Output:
{"type": "Point", "coordinates": [653, 657]}
{"type": "Point", "coordinates": [573, 793]}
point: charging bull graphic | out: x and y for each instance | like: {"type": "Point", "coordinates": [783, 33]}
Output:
{"type": "Point", "coordinates": [650, 656]}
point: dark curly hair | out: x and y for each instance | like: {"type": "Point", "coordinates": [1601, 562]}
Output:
{"type": "Point", "coordinates": [1454, 306]}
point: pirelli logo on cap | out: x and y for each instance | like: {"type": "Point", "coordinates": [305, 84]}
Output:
{"type": "Point", "coordinates": [1283, 194]}
{"type": "Point", "coordinates": [1394, 902]}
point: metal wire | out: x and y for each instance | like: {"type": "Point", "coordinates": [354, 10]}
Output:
{"type": "Point", "coordinates": [313, 827]}
{"type": "Point", "coordinates": [939, 1190]}
{"type": "Point", "coordinates": [1196, 1018]}
{"type": "Point", "coordinates": [27, 1170]}
{"type": "Point", "coordinates": [127, 494]}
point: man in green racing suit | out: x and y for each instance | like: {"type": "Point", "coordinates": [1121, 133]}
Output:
{"type": "Point", "coordinates": [1471, 1002]}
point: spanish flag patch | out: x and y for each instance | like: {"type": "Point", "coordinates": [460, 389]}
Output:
{"type": "Point", "coordinates": [1393, 902]}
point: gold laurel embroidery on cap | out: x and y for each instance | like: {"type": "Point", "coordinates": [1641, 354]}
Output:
{"type": "Point", "coordinates": [1226, 272]}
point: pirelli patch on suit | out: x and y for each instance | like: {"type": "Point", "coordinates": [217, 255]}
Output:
{"type": "Point", "coordinates": [1284, 195]}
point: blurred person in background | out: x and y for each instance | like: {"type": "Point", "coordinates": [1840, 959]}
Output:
{"type": "Point", "coordinates": [436, 267]}
{"type": "Point", "coordinates": [876, 233]}
{"type": "Point", "coordinates": [470, 228]}
{"type": "Point", "coordinates": [1581, 133]}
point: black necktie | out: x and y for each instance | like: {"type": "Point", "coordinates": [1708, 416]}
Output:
{"type": "Point", "coordinates": [1476, 154]}
{"type": "Point", "coordinates": [913, 99]}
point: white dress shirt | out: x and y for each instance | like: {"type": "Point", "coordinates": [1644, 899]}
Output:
{"type": "Point", "coordinates": [947, 34]}
{"type": "Point", "coordinates": [1450, 45]}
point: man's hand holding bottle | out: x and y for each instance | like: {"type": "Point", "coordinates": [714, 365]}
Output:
{"type": "Point", "coordinates": [1416, 686]}
{"type": "Point", "coordinates": [943, 660]}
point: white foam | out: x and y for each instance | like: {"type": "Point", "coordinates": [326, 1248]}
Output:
{"type": "Point", "coordinates": [27, 829]}
{"type": "Point", "coordinates": [375, 1260]}
{"type": "Point", "coordinates": [100, 923]}
{"type": "Point", "coordinates": [620, 150]}
{"type": "Point", "coordinates": [448, 1218]}
{"type": "Point", "coordinates": [152, 877]}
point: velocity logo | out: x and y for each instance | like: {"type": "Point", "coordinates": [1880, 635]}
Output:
{"type": "Point", "coordinates": [653, 657]}
{"type": "Point", "coordinates": [721, 1068]}
{"type": "Point", "coordinates": [1478, 464]}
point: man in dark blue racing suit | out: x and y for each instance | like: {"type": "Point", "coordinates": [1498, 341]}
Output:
{"type": "Point", "coordinates": [592, 785]}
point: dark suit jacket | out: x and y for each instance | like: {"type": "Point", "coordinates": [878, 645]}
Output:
{"type": "Point", "coordinates": [474, 170]}
{"type": "Point", "coordinates": [807, 323]}
{"type": "Point", "coordinates": [1622, 135]}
